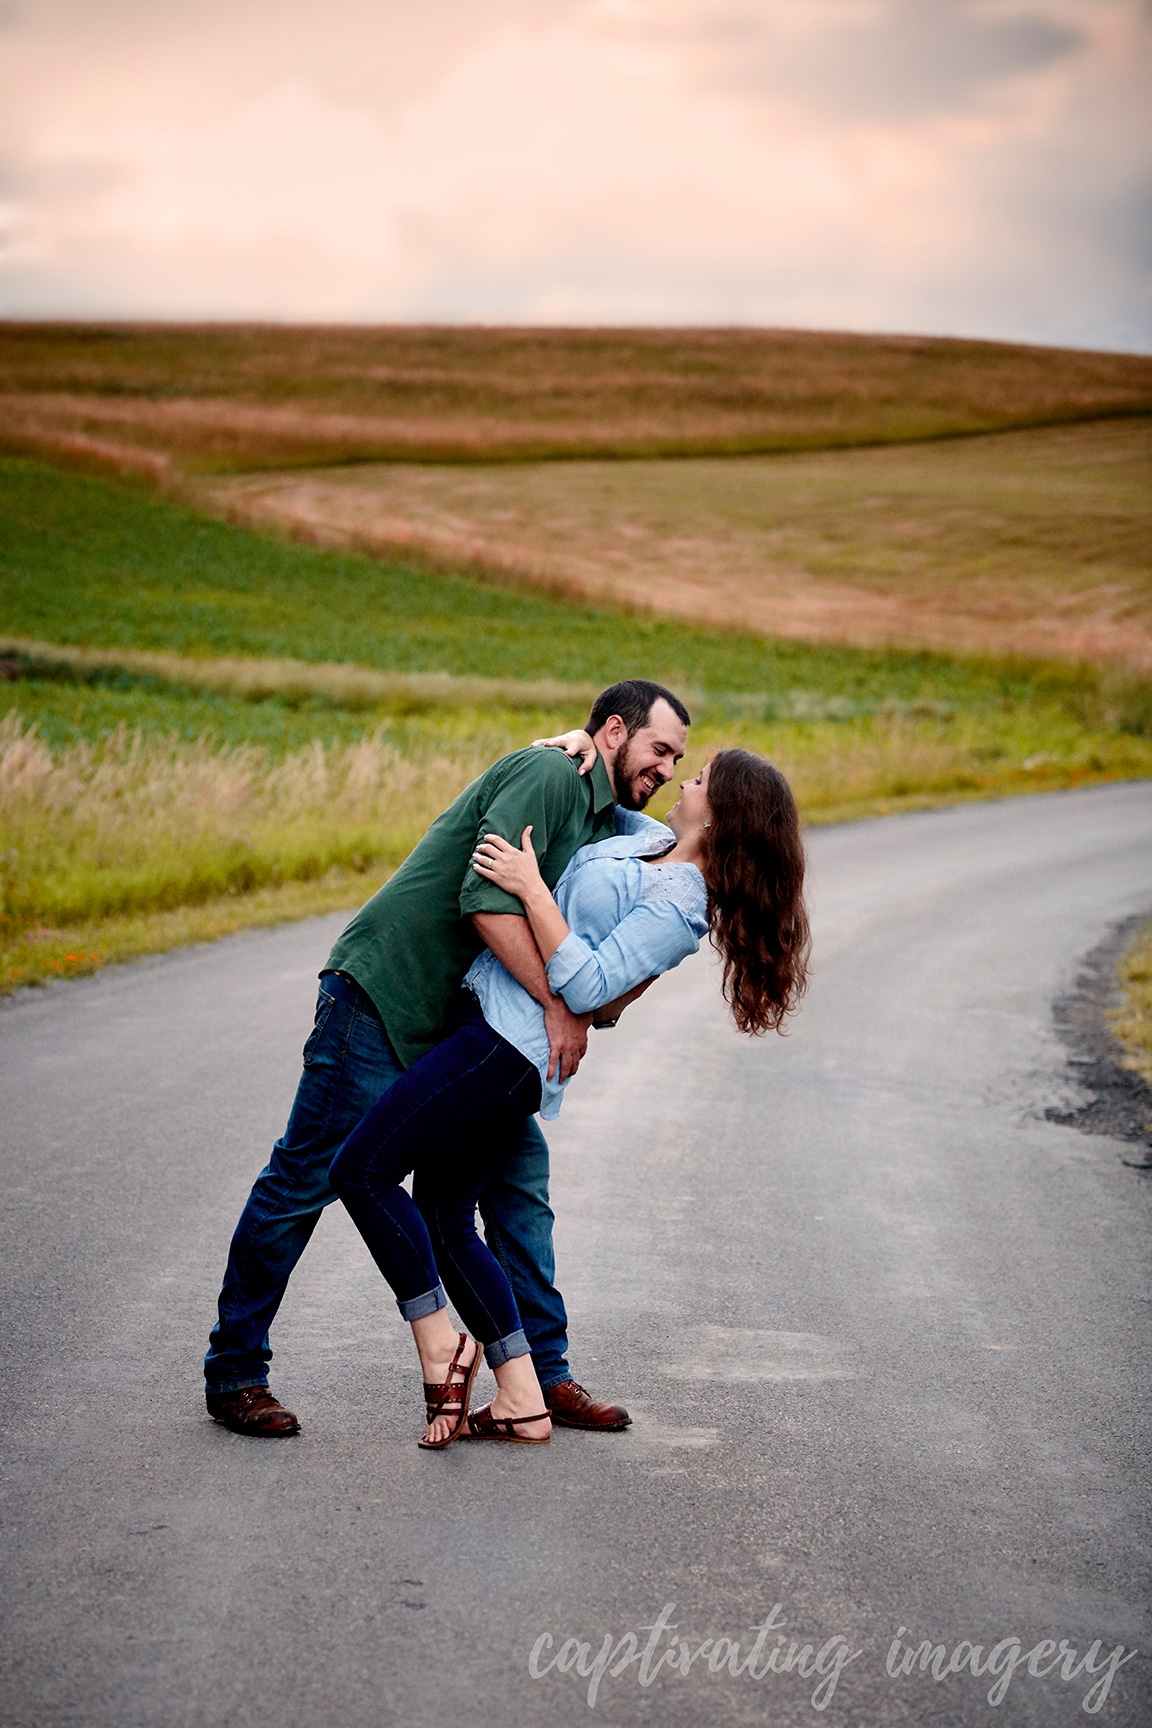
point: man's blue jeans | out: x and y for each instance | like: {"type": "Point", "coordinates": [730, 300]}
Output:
{"type": "Point", "coordinates": [348, 1064]}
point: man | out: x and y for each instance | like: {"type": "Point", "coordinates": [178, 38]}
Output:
{"type": "Point", "coordinates": [386, 997]}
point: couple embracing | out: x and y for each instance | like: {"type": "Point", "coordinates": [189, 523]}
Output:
{"type": "Point", "coordinates": [455, 1009]}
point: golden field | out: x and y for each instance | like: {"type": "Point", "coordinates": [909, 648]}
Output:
{"type": "Point", "coordinates": [1036, 542]}
{"type": "Point", "coordinates": [162, 401]}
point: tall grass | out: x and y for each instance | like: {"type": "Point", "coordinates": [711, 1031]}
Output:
{"type": "Point", "coordinates": [131, 823]}
{"type": "Point", "coordinates": [106, 836]}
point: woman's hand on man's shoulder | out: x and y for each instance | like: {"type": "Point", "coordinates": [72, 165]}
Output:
{"type": "Point", "coordinates": [576, 744]}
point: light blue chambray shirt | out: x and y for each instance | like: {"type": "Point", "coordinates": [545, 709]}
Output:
{"type": "Point", "coordinates": [627, 921]}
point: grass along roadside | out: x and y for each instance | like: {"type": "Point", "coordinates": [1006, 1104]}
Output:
{"type": "Point", "coordinates": [1132, 1022]}
{"type": "Point", "coordinates": [132, 824]}
{"type": "Point", "coordinates": [131, 842]}
{"type": "Point", "coordinates": [42, 955]}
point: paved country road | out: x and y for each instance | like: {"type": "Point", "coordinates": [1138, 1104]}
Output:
{"type": "Point", "coordinates": [883, 1326]}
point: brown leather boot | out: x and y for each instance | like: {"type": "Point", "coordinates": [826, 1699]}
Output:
{"type": "Point", "coordinates": [252, 1410]}
{"type": "Point", "coordinates": [572, 1407]}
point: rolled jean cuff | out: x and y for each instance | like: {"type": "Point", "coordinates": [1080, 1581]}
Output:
{"type": "Point", "coordinates": [504, 1349]}
{"type": "Point", "coordinates": [419, 1307]}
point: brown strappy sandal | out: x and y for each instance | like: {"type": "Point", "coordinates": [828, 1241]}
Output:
{"type": "Point", "coordinates": [439, 1400]}
{"type": "Point", "coordinates": [482, 1425]}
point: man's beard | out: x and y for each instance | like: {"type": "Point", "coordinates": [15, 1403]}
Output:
{"type": "Point", "coordinates": [626, 796]}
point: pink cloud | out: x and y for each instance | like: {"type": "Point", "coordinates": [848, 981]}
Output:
{"type": "Point", "coordinates": [957, 165]}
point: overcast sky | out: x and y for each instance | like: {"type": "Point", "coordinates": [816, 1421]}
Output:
{"type": "Point", "coordinates": [974, 167]}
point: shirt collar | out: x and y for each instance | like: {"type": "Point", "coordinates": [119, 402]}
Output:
{"type": "Point", "coordinates": [603, 797]}
{"type": "Point", "coordinates": [649, 843]}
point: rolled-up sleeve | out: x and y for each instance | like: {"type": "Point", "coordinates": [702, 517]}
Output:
{"type": "Point", "coordinates": [655, 936]}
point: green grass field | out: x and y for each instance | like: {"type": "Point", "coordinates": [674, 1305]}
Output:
{"type": "Point", "coordinates": [93, 562]}
{"type": "Point", "coordinates": [142, 810]}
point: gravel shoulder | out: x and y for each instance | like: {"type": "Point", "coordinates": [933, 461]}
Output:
{"type": "Point", "coordinates": [1118, 1102]}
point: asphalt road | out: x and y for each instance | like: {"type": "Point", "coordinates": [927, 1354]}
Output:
{"type": "Point", "coordinates": [884, 1329]}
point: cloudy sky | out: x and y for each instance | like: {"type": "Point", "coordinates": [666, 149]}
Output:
{"type": "Point", "coordinates": [974, 167]}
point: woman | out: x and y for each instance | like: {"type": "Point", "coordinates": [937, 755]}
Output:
{"type": "Point", "coordinates": [730, 862]}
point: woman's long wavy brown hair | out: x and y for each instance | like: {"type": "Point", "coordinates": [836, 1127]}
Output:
{"type": "Point", "coordinates": [753, 863]}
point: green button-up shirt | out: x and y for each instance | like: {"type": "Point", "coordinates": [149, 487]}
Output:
{"type": "Point", "coordinates": [411, 945]}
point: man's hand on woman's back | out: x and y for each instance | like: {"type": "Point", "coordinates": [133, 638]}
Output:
{"type": "Point", "coordinates": [513, 944]}
{"type": "Point", "coordinates": [567, 1038]}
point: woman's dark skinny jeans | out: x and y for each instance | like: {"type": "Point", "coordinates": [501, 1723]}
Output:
{"type": "Point", "coordinates": [349, 1063]}
{"type": "Point", "coordinates": [448, 1117]}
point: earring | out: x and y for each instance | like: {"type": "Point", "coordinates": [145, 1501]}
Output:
{"type": "Point", "coordinates": [707, 824]}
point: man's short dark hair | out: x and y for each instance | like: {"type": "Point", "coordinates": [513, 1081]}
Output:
{"type": "Point", "coordinates": [633, 700]}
